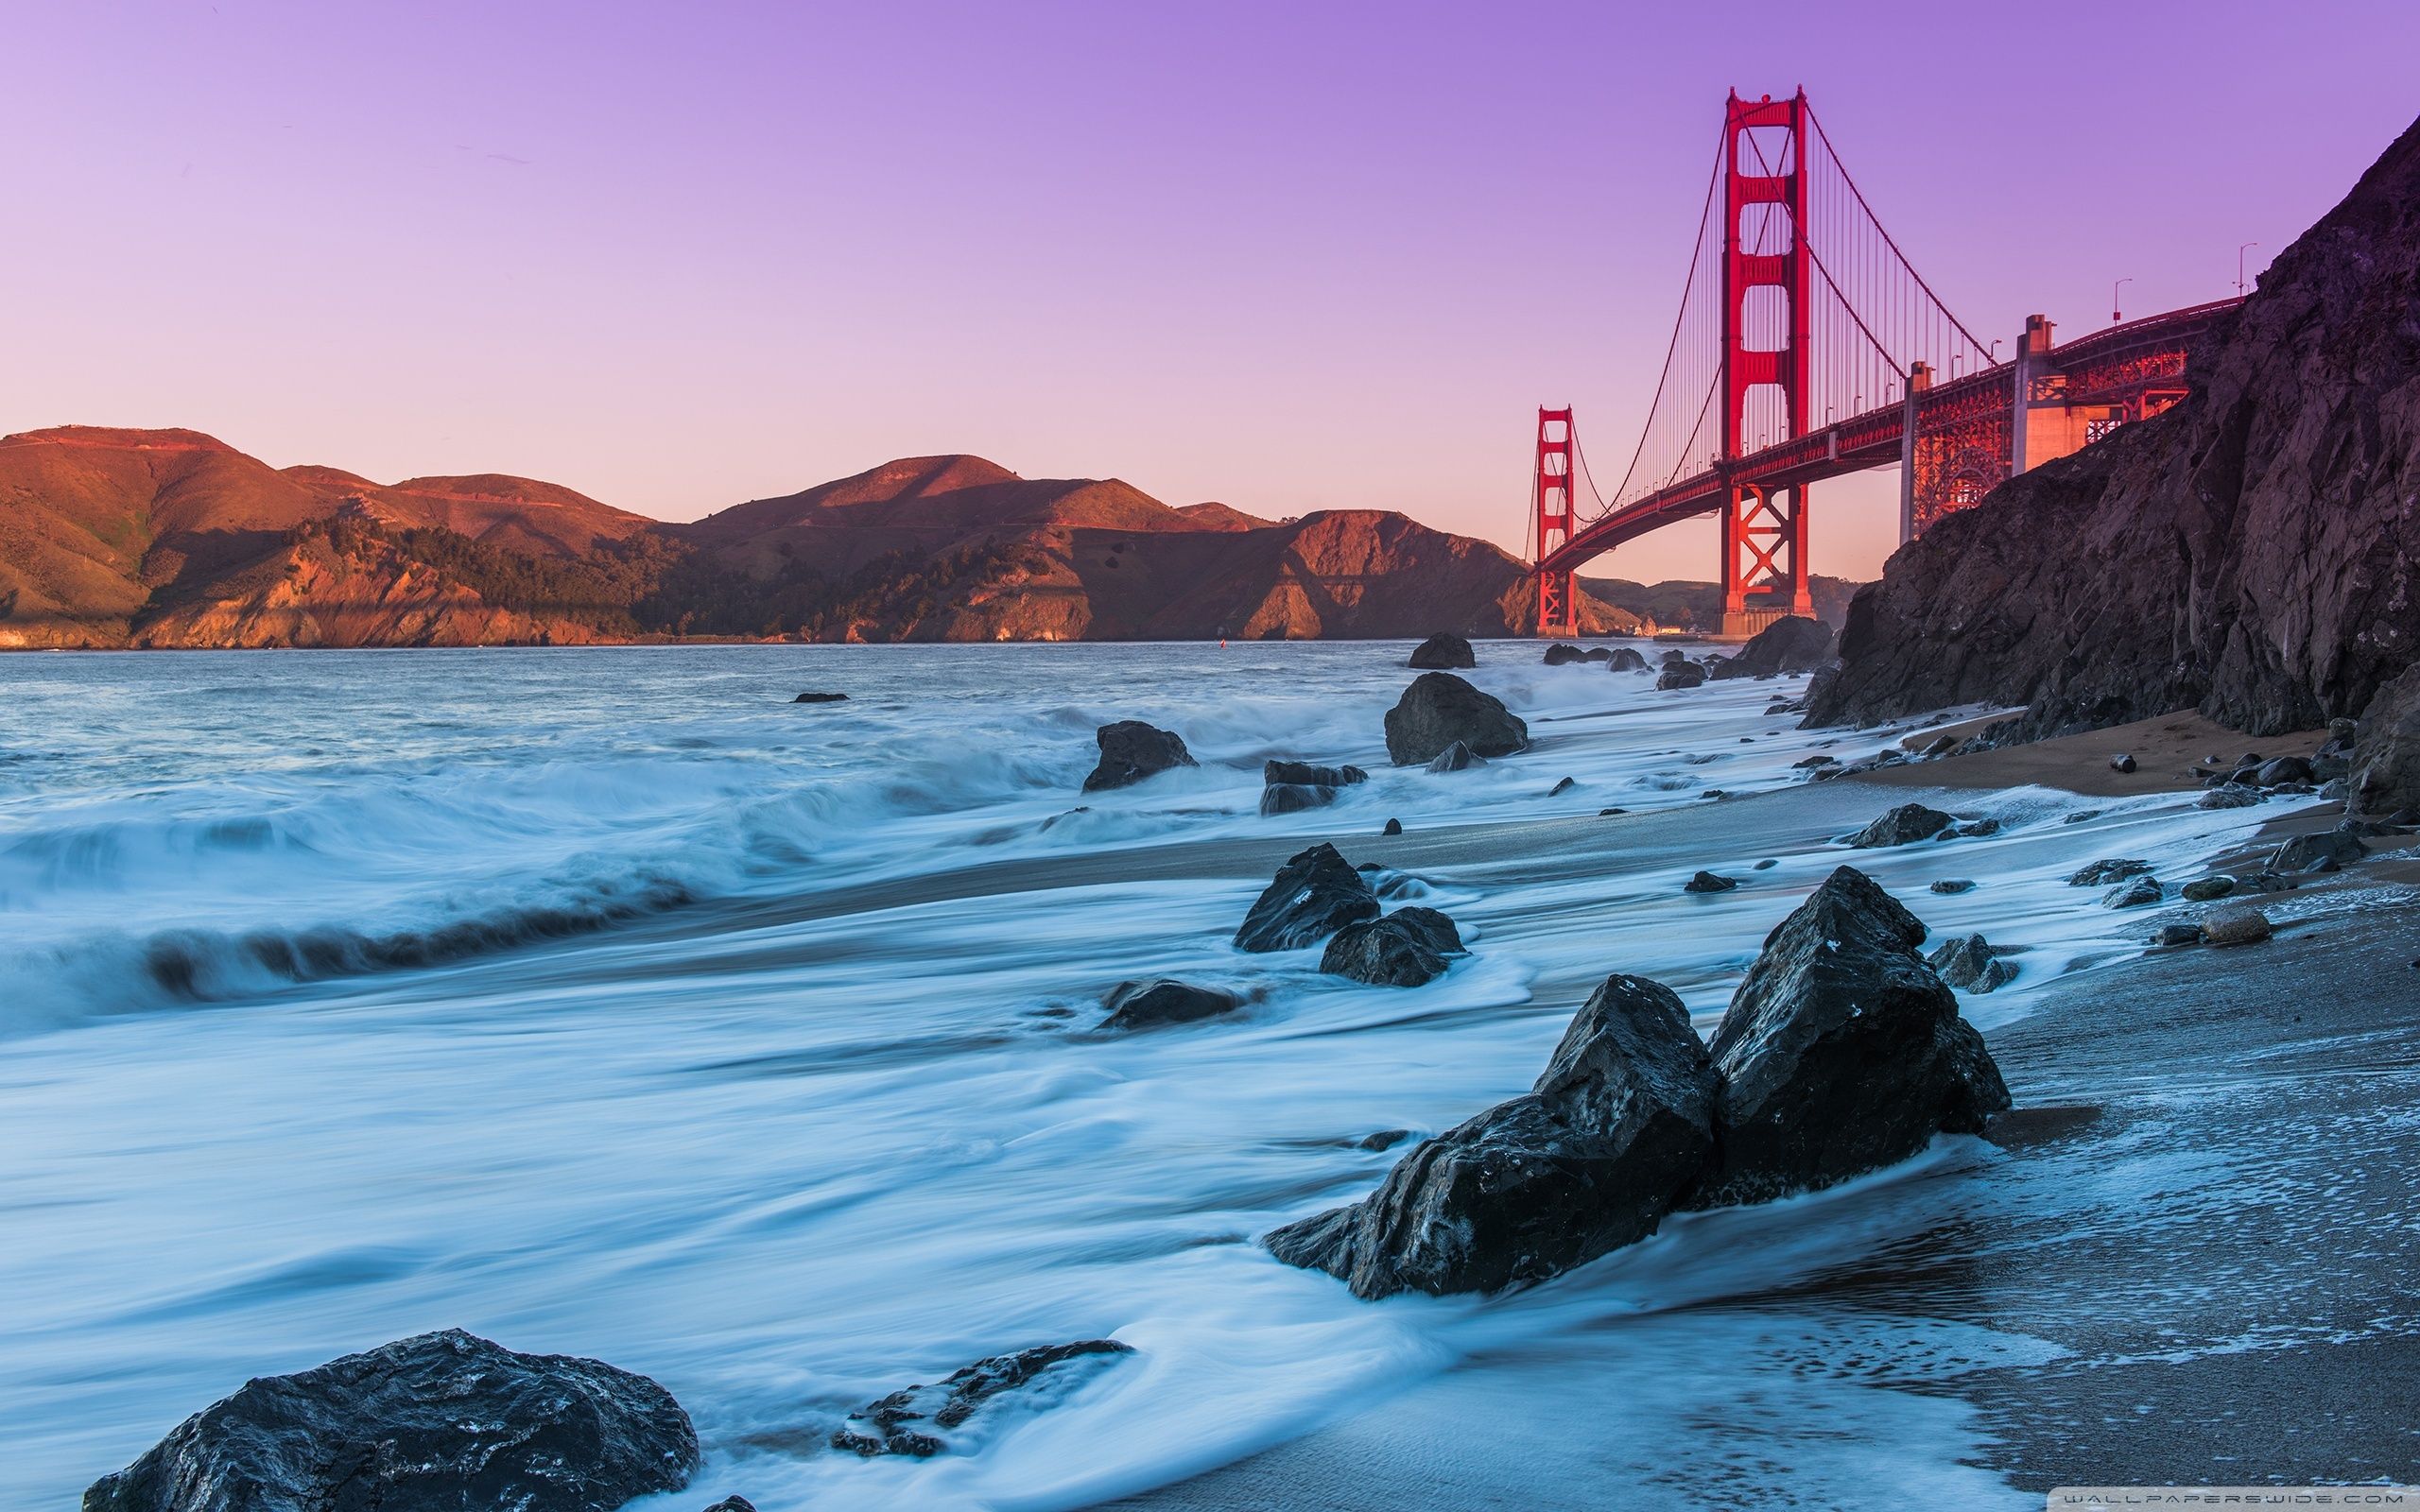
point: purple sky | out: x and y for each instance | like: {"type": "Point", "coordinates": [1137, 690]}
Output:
{"type": "Point", "coordinates": [1291, 256]}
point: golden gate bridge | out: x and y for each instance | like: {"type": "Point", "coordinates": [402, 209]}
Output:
{"type": "Point", "coordinates": [1807, 346]}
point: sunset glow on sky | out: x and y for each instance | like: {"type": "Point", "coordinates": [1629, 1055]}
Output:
{"type": "Point", "coordinates": [1286, 256]}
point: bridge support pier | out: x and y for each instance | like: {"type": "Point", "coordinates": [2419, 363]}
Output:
{"type": "Point", "coordinates": [1550, 502]}
{"type": "Point", "coordinates": [1764, 558]}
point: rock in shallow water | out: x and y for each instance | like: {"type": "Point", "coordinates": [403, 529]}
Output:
{"type": "Point", "coordinates": [1314, 894]}
{"type": "Point", "coordinates": [2236, 926]}
{"type": "Point", "coordinates": [1154, 1001]}
{"type": "Point", "coordinates": [1708, 882]}
{"type": "Point", "coordinates": [1454, 758]}
{"type": "Point", "coordinates": [885, 1425]}
{"type": "Point", "coordinates": [2103, 872]}
{"type": "Point", "coordinates": [2139, 892]}
{"type": "Point", "coordinates": [1843, 1051]}
{"type": "Point", "coordinates": [820, 697]}
{"type": "Point", "coordinates": [1294, 797]}
{"type": "Point", "coordinates": [1304, 774]}
{"type": "Point", "coordinates": [1439, 709]}
{"type": "Point", "coordinates": [2205, 889]}
{"type": "Point", "coordinates": [1406, 948]}
{"type": "Point", "coordinates": [1131, 750]}
{"type": "Point", "coordinates": [1614, 1133]}
{"type": "Point", "coordinates": [1682, 674]}
{"type": "Point", "coordinates": [438, 1422]}
{"type": "Point", "coordinates": [1971, 964]}
{"type": "Point", "coordinates": [1443, 650]}
{"type": "Point", "coordinates": [1904, 825]}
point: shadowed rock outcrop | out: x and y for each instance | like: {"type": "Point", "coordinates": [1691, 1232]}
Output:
{"type": "Point", "coordinates": [1131, 750]}
{"type": "Point", "coordinates": [1439, 709]}
{"type": "Point", "coordinates": [1613, 1134]}
{"type": "Point", "coordinates": [1314, 894]}
{"type": "Point", "coordinates": [1843, 1051]}
{"type": "Point", "coordinates": [1904, 825]}
{"type": "Point", "coordinates": [438, 1422]}
{"type": "Point", "coordinates": [1156, 1002]}
{"type": "Point", "coordinates": [1790, 643]}
{"type": "Point", "coordinates": [2386, 752]}
{"type": "Point", "coordinates": [2250, 553]}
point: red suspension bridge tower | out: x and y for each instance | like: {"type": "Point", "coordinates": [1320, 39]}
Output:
{"type": "Point", "coordinates": [1550, 518]}
{"type": "Point", "coordinates": [1765, 304]}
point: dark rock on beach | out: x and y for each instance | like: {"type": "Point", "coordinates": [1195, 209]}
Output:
{"type": "Point", "coordinates": [1156, 1002]}
{"type": "Point", "coordinates": [2385, 756]}
{"type": "Point", "coordinates": [1444, 651]}
{"type": "Point", "coordinates": [2336, 848]}
{"type": "Point", "coordinates": [1790, 643]}
{"type": "Point", "coordinates": [2137, 892]}
{"type": "Point", "coordinates": [1904, 825]}
{"type": "Point", "coordinates": [2236, 926]}
{"type": "Point", "coordinates": [2099, 873]}
{"type": "Point", "coordinates": [1843, 1051]}
{"type": "Point", "coordinates": [1314, 894]}
{"type": "Point", "coordinates": [438, 1422]}
{"type": "Point", "coordinates": [1406, 948]}
{"type": "Point", "coordinates": [1971, 964]}
{"type": "Point", "coordinates": [1613, 1136]}
{"type": "Point", "coordinates": [901, 1423]}
{"type": "Point", "coordinates": [1440, 709]}
{"type": "Point", "coordinates": [1131, 750]}
{"type": "Point", "coordinates": [2207, 889]}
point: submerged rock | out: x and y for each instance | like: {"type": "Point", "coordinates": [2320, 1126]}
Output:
{"type": "Point", "coordinates": [1980, 828]}
{"type": "Point", "coordinates": [438, 1422]}
{"type": "Point", "coordinates": [1131, 750]}
{"type": "Point", "coordinates": [1615, 1134]}
{"type": "Point", "coordinates": [1443, 650]}
{"type": "Point", "coordinates": [1440, 710]}
{"type": "Point", "coordinates": [2139, 892]}
{"type": "Point", "coordinates": [1708, 882]}
{"type": "Point", "coordinates": [1954, 885]}
{"type": "Point", "coordinates": [1843, 1051]}
{"type": "Point", "coordinates": [1303, 774]}
{"type": "Point", "coordinates": [1406, 948]}
{"type": "Point", "coordinates": [1154, 1001]}
{"type": "Point", "coordinates": [820, 697]}
{"type": "Point", "coordinates": [1314, 894]}
{"type": "Point", "coordinates": [1904, 825]}
{"type": "Point", "coordinates": [885, 1425]}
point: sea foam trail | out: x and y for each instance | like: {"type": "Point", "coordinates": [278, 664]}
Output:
{"type": "Point", "coordinates": [787, 1161]}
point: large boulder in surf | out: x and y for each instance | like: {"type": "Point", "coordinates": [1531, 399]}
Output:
{"type": "Point", "coordinates": [1562, 655]}
{"type": "Point", "coordinates": [1626, 659]}
{"type": "Point", "coordinates": [1131, 750]}
{"type": "Point", "coordinates": [1404, 949]}
{"type": "Point", "coordinates": [1615, 1134]}
{"type": "Point", "coordinates": [1440, 709]}
{"type": "Point", "coordinates": [1843, 1051]}
{"type": "Point", "coordinates": [1790, 643]}
{"type": "Point", "coordinates": [438, 1422]}
{"type": "Point", "coordinates": [2386, 751]}
{"type": "Point", "coordinates": [1314, 894]}
{"type": "Point", "coordinates": [1443, 651]}
{"type": "Point", "coordinates": [1294, 797]}
{"type": "Point", "coordinates": [905, 1421]}
{"type": "Point", "coordinates": [1680, 674]}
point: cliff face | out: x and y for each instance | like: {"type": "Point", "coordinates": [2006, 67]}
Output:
{"type": "Point", "coordinates": [2250, 553]}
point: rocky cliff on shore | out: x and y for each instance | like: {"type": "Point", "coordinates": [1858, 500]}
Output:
{"type": "Point", "coordinates": [2250, 553]}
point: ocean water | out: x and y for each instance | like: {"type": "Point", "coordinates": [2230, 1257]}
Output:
{"type": "Point", "coordinates": [605, 1001]}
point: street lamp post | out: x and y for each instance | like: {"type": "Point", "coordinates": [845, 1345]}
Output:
{"type": "Point", "coordinates": [2239, 289]}
{"type": "Point", "coordinates": [2114, 316]}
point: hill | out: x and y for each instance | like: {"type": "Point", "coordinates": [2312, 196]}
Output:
{"type": "Point", "coordinates": [174, 539]}
{"type": "Point", "coordinates": [1679, 603]}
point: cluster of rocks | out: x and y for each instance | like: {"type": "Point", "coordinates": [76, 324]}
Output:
{"type": "Point", "coordinates": [1841, 1052]}
{"type": "Point", "coordinates": [1318, 896]}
